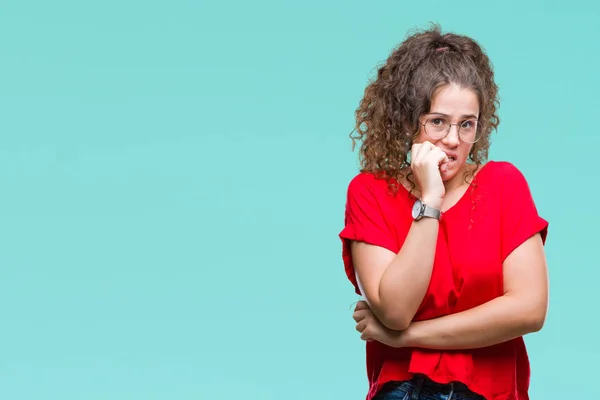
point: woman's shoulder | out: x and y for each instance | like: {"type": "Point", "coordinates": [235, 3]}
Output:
{"type": "Point", "coordinates": [496, 169]}
{"type": "Point", "coordinates": [504, 178]}
{"type": "Point", "coordinates": [373, 181]}
{"type": "Point", "coordinates": [375, 187]}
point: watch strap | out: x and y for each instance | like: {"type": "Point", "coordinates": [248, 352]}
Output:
{"type": "Point", "coordinates": [431, 212]}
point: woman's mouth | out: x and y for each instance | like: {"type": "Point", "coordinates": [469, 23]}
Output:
{"type": "Point", "coordinates": [450, 163]}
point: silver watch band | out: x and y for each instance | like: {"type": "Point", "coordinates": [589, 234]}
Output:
{"type": "Point", "coordinates": [431, 212]}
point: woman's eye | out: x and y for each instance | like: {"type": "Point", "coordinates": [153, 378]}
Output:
{"type": "Point", "coordinates": [467, 124]}
{"type": "Point", "coordinates": [437, 121]}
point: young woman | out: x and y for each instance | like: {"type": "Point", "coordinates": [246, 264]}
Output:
{"type": "Point", "coordinates": [446, 249]}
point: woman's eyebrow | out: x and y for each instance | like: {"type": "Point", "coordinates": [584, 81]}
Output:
{"type": "Point", "coordinates": [466, 116]}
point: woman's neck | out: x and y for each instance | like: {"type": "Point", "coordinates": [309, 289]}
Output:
{"type": "Point", "coordinates": [459, 179]}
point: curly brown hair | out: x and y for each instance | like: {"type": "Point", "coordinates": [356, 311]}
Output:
{"type": "Point", "coordinates": [388, 115]}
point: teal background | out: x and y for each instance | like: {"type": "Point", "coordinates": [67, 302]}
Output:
{"type": "Point", "coordinates": [173, 180]}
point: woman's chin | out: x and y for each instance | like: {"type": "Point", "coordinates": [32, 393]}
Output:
{"type": "Point", "coordinates": [447, 174]}
{"type": "Point", "coordinates": [449, 171]}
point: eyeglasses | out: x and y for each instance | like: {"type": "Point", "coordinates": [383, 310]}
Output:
{"type": "Point", "coordinates": [437, 127]}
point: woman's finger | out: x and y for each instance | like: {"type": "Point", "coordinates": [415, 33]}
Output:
{"type": "Point", "coordinates": [365, 336]}
{"type": "Point", "coordinates": [361, 326]}
{"type": "Point", "coordinates": [423, 151]}
{"type": "Point", "coordinates": [438, 156]}
{"type": "Point", "coordinates": [359, 315]}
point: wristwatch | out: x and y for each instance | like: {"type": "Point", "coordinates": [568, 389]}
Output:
{"type": "Point", "coordinates": [421, 210]}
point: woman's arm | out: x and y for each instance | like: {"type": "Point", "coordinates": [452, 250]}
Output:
{"type": "Point", "coordinates": [521, 310]}
{"type": "Point", "coordinates": [394, 284]}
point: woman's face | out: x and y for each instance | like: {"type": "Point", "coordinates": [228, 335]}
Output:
{"type": "Point", "coordinates": [451, 104]}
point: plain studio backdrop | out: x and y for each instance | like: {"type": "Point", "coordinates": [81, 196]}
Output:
{"type": "Point", "coordinates": [173, 178]}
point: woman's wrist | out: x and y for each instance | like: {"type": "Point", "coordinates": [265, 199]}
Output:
{"type": "Point", "coordinates": [399, 339]}
{"type": "Point", "coordinates": [433, 201]}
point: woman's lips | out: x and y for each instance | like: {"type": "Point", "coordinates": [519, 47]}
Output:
{"type": "Point", "coordinates": [451, 162]}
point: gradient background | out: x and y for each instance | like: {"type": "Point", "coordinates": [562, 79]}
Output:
{"type": "Point", "coordinates": [173, 180]}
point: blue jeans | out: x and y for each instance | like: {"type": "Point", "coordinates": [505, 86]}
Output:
{"type": "Point", "coordinates": [422, 388]}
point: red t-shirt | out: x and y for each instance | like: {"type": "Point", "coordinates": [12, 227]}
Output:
{"type": "Point", "coordinates": [494, 216]}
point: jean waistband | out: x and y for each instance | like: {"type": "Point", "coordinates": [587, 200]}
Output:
{"type": "Point", "coordinates": [422, 385]}
{"type": "Point", "coordinates": [424, 382]}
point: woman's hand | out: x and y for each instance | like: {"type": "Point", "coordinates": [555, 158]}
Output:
{"type": "Point", "coordinates": [371, 329]}
{"type": "Point", "coordinates": [426, 162]}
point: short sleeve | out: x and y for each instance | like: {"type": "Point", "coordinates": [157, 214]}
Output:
{"type": "Point", "coordinates": [520, 218]}
{"type": "Point", "coordinates": [364, 221]}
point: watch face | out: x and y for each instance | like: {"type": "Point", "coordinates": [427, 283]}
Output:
{"type": "Point", "coordinates": [417, 209]}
